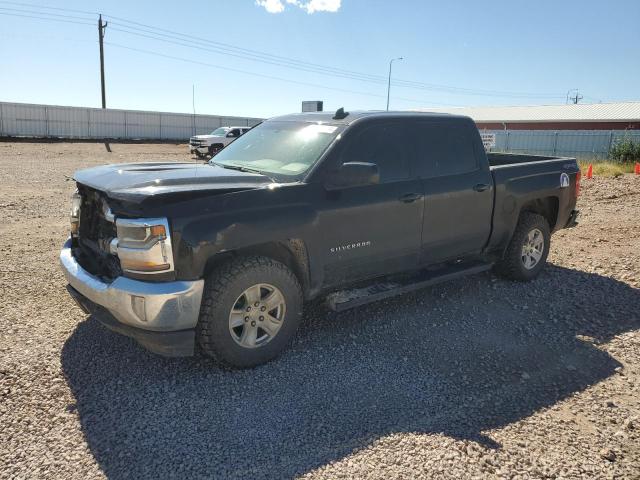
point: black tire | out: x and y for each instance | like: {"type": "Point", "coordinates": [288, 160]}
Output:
{"type": "Point", "coordinates": [222, 291]}
{"type": "Point", "coordinates": [512, 265]}
{"type": "Point", "coordinates": [214, 149]}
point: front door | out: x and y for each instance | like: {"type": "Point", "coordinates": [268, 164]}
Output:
{"type": "Point", "coordinates": [373, 230]}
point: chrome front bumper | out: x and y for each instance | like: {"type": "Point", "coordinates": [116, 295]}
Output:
{"type": "Point", "coordinates": [160, 307]}
{"type": "Point", "coordinates": [200, 149]}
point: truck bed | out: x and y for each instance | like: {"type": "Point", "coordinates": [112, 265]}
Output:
{"type": "Point", "coordinates": [501, 159]}
{"type": "Point", "coordinates": [522, 179]}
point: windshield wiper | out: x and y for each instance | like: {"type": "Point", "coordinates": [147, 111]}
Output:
{"type": "Point", "coordinates": [241, 169]}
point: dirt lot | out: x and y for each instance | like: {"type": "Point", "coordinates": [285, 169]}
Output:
{"type": "Point", "coordinates": [477, 378]}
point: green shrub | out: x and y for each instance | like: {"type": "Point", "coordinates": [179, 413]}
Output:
{"type": "Point", "coordinates": [625, 151]}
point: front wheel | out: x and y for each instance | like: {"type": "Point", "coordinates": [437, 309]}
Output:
{"type": "Point", "coordinates": [214, 149]}
{"type": "Point", "coordinates": [527, 252]}
{"type": "Point", "coordinates": [250, 311]}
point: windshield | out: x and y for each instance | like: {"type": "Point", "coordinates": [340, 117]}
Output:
{"type": "Point", "coordinates": [220, 132]}
{"type": "Point", "coordinates": [280, 148]}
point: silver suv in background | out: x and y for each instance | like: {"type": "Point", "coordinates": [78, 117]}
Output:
{"type": "Point", "coordinates": [203, 145]}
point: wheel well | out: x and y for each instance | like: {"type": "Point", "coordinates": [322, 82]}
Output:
{"type": "Point", "coordinates": [547, 207]}
{"type": "Point", "coordinates": [292, 253]}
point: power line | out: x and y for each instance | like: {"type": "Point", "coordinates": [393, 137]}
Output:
{"type": "Point", "coordinates": [246, 72]}
{"type": "Point", "coordinates": [45, 18]}
{"type": "Point", "coordinates": [219, 66]}
{"type": "Point", "coordinates": [237, 70]}
{"type": "Point", "coordinates": [226, 49]}
{"type": "Point", "coordinates": [35, 5]}
{"type": "Point", "coordinates": [377, 77]}
{"type": "Point", "coordinates": [360, 77]}
{"type": "Point", "coordinates": [174, 34]}
{"type": "Point", "coordinates": [199, 47]}
{"type": "Point", "coordinates": [193, 42]}
{"type": "Point", "coordinates": [277, 60]}
{"type": "Point", "coordinates": [224, 46]}
{"type": "Point", "coordinates": [229, 47]}
{"type": "Point", "coordinates": [35, 12]}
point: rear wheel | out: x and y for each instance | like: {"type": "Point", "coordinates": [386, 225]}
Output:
{"type": "Point", "coordinates": [527, 252]}
{"type": "Point", "coordinates": [250, 311]}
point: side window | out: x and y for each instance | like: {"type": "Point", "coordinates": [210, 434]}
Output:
{"type": "Point", "coordinates": [384, 145]}
{"type": "Point", "coordinates": [235, 132]}
{"type": "Point", "coordinates": [443, 149]}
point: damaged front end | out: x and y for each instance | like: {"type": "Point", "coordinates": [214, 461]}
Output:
{"type": "Point", "coordinates": [93, 233]}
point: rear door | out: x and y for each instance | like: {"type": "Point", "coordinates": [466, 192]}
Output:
{"type": "Point", "coordinates": [458, 189]}
{"type": "Point", "coordinates": [373, 230]}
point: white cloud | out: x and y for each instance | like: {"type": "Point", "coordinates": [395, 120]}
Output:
{"type": "Point", "coordinates": [271, 6]}
{"type": "Point", "coordinates": [309, 6]}
{"type": "Point", "coordinates": [320, 6]}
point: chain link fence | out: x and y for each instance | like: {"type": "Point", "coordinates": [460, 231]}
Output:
{"type": "Point", "coordinates": [582, 144]}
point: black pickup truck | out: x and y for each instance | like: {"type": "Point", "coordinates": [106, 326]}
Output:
{"type": "Point", "coordinates": [354, 207]}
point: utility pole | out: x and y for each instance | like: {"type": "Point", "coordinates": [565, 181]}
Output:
{"type": "Point", "coordinates": [389, 83]}
{"type": "Point", "coordinates": [193, 97]}
{"type": "Point", "coordinates": [101, 29]}
{"type": "Point", "coordinates": [576, 98]}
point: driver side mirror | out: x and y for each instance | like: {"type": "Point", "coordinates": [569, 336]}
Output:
{"type": "Point", "coordinates": [354, 174]}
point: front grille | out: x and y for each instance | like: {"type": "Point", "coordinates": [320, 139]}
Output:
{"type": "Point", "coordinates": [93, 224]}
{"type": "Point", "coordinates": [94, 236]}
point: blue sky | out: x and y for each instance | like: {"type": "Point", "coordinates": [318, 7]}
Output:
{"type": "Point", "coordinates": [456, 53]}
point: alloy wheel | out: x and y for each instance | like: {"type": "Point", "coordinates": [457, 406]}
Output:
{"type": "Point", "coordinates": [257, 315]}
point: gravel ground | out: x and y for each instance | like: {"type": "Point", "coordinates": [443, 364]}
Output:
{"type": "Point", "coordinates": [478, 378]}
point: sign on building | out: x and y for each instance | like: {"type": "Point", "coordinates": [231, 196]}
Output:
{"type": "Point", "coordinates": [312, 106]}
{"type": "Point", "coordinates": [488, 140]}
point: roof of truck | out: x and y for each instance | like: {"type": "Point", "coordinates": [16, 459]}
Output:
{"type": "Point", "coordinates": [327, 117]}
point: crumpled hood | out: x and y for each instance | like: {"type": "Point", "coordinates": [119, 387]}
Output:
{"type": "Point", "coordinates": [136, 182]}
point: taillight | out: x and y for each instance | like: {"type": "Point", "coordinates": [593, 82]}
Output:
{"type": "Point", "coordinates": [578, 175]}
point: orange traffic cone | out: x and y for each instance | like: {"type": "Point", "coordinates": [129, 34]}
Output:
{"type": "Point", "coordinates": [590, 171]}
{"type": "Point", "coordinates": [637, 169]}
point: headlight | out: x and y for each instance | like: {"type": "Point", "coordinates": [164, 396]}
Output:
{"type": "Point", "coordinates": [74, 215]}
{"type": "Point", "coordinates": [144, 245]}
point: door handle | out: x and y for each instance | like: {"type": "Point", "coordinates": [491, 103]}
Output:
{"type": "Point", "coordinates": [410, 197]}
{"type": "Point", "coordinates": [481, 187]}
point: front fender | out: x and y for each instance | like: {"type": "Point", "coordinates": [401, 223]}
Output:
{"type": "Point", "coordinates": [251, 218]}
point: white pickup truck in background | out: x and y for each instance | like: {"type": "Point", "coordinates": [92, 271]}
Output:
{"type": "Point", "coordinates": [203, 145]}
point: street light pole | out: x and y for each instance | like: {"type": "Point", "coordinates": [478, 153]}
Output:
{"type": "Point", "coordinates": [389, 83]}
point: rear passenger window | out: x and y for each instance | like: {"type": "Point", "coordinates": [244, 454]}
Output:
{"type": "Point", "coordinates": [384, 145]}
{"type": "Point", "coordinates": [443, 149]}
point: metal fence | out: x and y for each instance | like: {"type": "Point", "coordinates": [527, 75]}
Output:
{"type": "Point", "coordinates": [582, 144]}
{"type": "Point", "coordinates": [51, 121]}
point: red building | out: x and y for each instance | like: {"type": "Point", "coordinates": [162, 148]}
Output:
{"type": "Point", "coordinates": [583, 116]}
